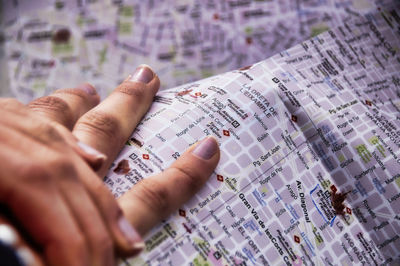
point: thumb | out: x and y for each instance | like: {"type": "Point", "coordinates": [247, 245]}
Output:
{"type": "Point", "coordinates": [156, 197]}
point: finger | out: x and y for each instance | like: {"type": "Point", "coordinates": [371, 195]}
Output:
{"type": "Point", "coordinates": [107, 127]}
{"type": "Point", "coordinates": [65, 106]}
{"type": "Point", "coordinates": [37, 205]}
{"type": "Point", "coordinates": [108, 208]}
{"type": "Point", "coordinates": [41, 211]}
{"type": "Point", "coordinates": [127, 241]}
{"type": "Point", "coordinates": [91, 223]}
{"type": "Point", "coordinates": [93, 157]}
{"type": "Point", "coordinates": [13, 248]}
{"type": "Point", "coordinates": [154, 198]}
{"type": "Point", "coordinates": [77, 234]}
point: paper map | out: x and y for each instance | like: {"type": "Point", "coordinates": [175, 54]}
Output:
{"type": "Point", "coordinates": [310, 165]}
{"type": "Point", "coordinates": [297, 132]}
{"type": "Point", "coordinates": [52, 44]}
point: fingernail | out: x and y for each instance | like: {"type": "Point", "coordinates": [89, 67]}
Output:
{"type": "Point", "coordinates": [7, 235]}
{"type": "Point", "coordinates": [91, 151]}
{"type": "Point", "coordinates": [87, 88]}
{"type": "Point", "coordinates": [206, 148]}
{"type": "Point", "coordinates": [131, 234]}
{"type": "Point", "coordinates": [142, 74]}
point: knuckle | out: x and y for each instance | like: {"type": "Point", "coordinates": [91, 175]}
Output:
{"type": "Point", "coordinates": [103, 243]}
{"type": "Point", "coordinates": [98, 122]}
{"type": "Point", "coordinates": [45, 172]}
{"type": "Point", "coordinates": [44, 131]}
{"type": "Point", "coordinates": [155, 196]}
{"type": "Point", "coordinates": [64, 167]}
{"type": "Point", "coordinates": [52, 104]}
{"type": "Point", "coordinates": [135, 90]}
{"type": "Point", "coordinates": [35, 172]}
{"type": "Point", "coordinates": [48, 131]}
{"type": "Point", "coordinates": [73, 91]}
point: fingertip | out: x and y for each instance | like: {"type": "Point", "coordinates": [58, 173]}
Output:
{"type": "Point", "coordinates": [145, 75]}
{"type": "Point", "coordinates": [206, 148]}
{"type": "Point", "coordinates": [134, 242]}
{"type": "Point", "coordinates": [155, 83]}
{"type": "Point", "coordinates": [88, 88]}
{"type": "Point", "coordinates": [92, 156]}
{"type": "Point", "coordinates": [199, 161]}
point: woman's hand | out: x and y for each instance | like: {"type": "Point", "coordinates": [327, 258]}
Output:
{"type": "Point", "coordinates": [52, 153]}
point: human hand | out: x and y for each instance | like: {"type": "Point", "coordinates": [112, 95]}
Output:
{"type": "Point", "coordinates": [90, 216]}
{"type": "Point", "coordinates": [53, 193]}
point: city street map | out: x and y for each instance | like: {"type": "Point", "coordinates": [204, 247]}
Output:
{"type": "Point", "coordinates": [52, 44]}
{"type": "Point", "coordinates": [310, 165]}
{"type": "Point", "coordinates": [310, 160]}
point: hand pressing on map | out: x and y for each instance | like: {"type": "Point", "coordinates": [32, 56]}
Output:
{"type": "Point", "coordinates": [54, 153]}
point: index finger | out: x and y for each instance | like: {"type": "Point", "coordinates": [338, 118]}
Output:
{"type": "Point", "coordinates": [156, 197]}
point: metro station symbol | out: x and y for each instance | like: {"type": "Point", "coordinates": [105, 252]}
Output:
{"type": "Point", "coordinates": [367, 102]}
{"type": "Point", "coordinates": [235, 124]}
{"type": "Point", "coordinates": [296, 239]}
{"type": "Point", "coordinates": [217, 255]}
{"type": "Point", "coordinates": [294, 118]}
{"type": "Point", "coordinates": [348, 210]}
{"type": "Point", "coordinates": [146, 156]}
{"type": "Point", "coordinates": [220, 178]}
{"type": "Point", "coordinates": [226, 133]}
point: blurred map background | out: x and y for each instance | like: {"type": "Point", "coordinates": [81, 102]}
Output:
{"type": "Point", "coordinates": [51, 44]}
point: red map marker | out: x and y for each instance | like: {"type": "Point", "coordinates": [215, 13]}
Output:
{"type": "Point", "coordinates": [182, 213]}
{"type": "Point", "coordinates": [249, 40]}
